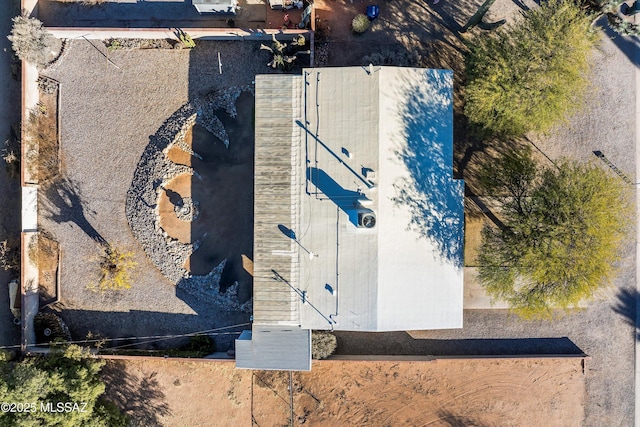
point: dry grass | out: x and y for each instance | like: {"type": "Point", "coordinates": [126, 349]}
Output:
{"type": "Point", "coordinates": [10, 255]}
{"type": "Point", "coordinates": [11, 157]}
{"type": "Point", "coordinates": [42, 151]}
{"type": "Point", "coordinates": [323, 344]}
{"type": "Point", "coordinates": [472, 239]}
{"type": "Point", "coordinates": [43, 251]}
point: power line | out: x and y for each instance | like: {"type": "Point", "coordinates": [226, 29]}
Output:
{"type": "Point", "coordinates": [152, 338]}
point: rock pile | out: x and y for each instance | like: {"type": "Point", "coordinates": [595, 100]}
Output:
{"type": "Point", "coordinates": [154, 170]}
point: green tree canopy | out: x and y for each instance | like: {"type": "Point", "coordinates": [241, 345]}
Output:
{"type": "Point", "coordinates": [68, 374]}
{"type": "Point", "coordinates": [527, 76]}
{"type": "Point", "coordinates": [561, 233]}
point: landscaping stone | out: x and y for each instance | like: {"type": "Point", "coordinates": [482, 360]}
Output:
{"type": "Point", "coordinates": [154, 170]}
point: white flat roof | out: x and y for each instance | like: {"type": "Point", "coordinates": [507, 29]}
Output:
{"type": "Point", "coordinates": [273, 347]}
{"type": "Point", "coordinates": [378, 140]}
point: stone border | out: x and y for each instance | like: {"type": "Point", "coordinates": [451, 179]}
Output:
{"type": "Point", "coordinates": [154, 171]}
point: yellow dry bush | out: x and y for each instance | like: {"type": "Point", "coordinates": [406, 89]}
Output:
{"type": "Point", "coordinates": [115, 269]}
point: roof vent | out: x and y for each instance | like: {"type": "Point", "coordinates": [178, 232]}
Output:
{"type": "Point", "coordinates": [366, 220]}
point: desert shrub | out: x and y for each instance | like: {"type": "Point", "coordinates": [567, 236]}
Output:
{"type": "Point", "coordinates": [323, 344]}
{"type": "Point", "coordinates": [282, 58]}
{"type": "Point", "coordinates": [115, 44]}
{"type": "Point", "coordinates": [47, 85]}
{"type": "Point", "coordinates": [298, 40]}
{"type": "Point", "coordinates": [43, 251]}
{"type": "Point", "coordinates": [11, 156]}
{"type": "Point", "coordinates": [9, 256]}
{"type": "Point", "coordinates": [115, 269]}
{"type": "Point", "coordinates": [614, 12]}
{"type": "Point", "coordinates": [30, 41]}
{"type": "Point", "coordinates": [360, 23]}
{"type": "Point", "coordinates": [391, 57]}
{"type": "Point", "coordinates": [201, 344]}
{"type": "Point", "coordinates": [42, 153]}
{"type": "Point", "coordinates": [49, 327]}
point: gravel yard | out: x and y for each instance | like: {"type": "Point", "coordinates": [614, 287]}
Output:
{"type": "Point", "coordinates": [108, 114]}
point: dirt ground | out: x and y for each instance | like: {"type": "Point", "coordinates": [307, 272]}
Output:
{"type": "Point", "coordinates": [443, 392]}
{"type": "Point", "coordinates": [177, 394]}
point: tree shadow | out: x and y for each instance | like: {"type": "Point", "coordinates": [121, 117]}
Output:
{"type": "Point", "coordinates": [140, 397]}
{"type": "Point", "coordinates": [343, 198]}
{"type": "Point", "coordinates": [63, 203]}
{"type": "Point", "coordinates": [403, 343]}
{"type": "Point", "coordinates": [454, 420]}
{"type": "Point", "coordinates": [628, 45]}
{"type": "Point", "coordinates": [626, 306]}
{"type": "Point", "coordinates": [433, 197]}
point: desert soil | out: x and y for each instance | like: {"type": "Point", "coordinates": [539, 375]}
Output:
{"type": "Point", "coordinates": [169, 393]}
{"type": "Point", "coordinates": [443, 392]}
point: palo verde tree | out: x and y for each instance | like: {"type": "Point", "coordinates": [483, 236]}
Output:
{"type": "Point", "coordinates": [67, 376]}
{"type": "Point", "coordinates": [561, 232]}
{"type": "Point", "coordinates": [529, 75]}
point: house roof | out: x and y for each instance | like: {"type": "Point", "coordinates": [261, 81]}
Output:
{"type": "Point", "coordinates": [378, 141]}
{"type": "Point", "coordinates": [358, 222]}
